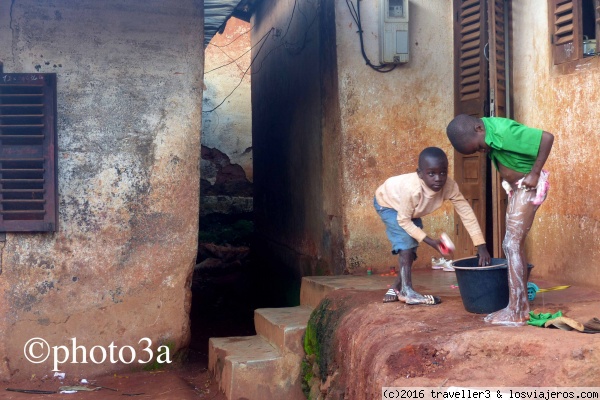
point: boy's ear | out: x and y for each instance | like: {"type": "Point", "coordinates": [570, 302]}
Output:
{"type": "Point", "coordinates": [479, 128]}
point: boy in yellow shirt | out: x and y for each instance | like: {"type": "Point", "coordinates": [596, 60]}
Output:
{"type": "Point", "coordinates": [402, 200]}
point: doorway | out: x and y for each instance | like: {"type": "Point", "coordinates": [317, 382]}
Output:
{"type": "Point", "coordinates": [482, 89]}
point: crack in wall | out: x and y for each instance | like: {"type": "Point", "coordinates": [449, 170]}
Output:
{"type": "Point", "coordinates": [12, 3]}
{"type": "Point", "coordinates": [2, 243]}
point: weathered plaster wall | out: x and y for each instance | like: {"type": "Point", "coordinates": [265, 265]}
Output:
{"type": "Point", "coordinates": [226, 166]}
{"type": "Point", "coordinates": [564, 241]}
{"type": "Point", "coordinates": [387, 119]}
{"type": "Point", "coordinates": [296, 154]}
{"type": "Point", "coordinates": [129, 100]}
{"type": "Point", "coordinates": [327, 130]}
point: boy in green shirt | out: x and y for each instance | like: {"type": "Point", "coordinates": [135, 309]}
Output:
{"type": "Point", "coordinates": [519, 153]}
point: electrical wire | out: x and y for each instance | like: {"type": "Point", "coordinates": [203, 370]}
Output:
{"type": "Point", "coordinates": [231, 58]}
{"type": "Point", "coordinates": [264, 40]}
{"type": "Point", "coordinates": [242, 55]}
{"type": "Point", "coordinates": [237, 37]}
{"type": "Point", "coordinates": [297, 50]}
{"type": "Point", "coordinates": [355, 13]}
{"type": "Point", "coordinates": [290, 21]}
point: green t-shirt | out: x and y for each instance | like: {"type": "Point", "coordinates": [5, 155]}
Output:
{"type": "Point", "coordinates": [512, 144]}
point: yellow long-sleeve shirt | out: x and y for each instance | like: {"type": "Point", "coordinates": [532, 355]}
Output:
{"type": "Point", "coordinates": [411, 198]}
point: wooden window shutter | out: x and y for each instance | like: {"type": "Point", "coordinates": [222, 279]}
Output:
{"type": "Point", "coordinates": [470, 63]}
{"type": "Point", "coordinates": [470, 97]}
{"type": "Point", "coordinates": [566, 30]}
{"type": "Point", "coordinates": [28, 153]}
{"type": "Point", "coordinates": [499, 91]}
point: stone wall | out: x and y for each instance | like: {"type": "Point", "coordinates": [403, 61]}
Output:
{"type": "Point", "coordinates": [129, 115]}
{"type": "Point", "coordinates": [226, 168]}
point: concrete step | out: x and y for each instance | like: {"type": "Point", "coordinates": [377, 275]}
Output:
{"type": "Point", "coordinates": [315, 288]}
{"type": "Point", "coordinates": [251, 368]}
{"type": "Point", "coordinates": [283, 327]}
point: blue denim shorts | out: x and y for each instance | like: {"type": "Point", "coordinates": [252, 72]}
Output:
{"type": "Point", "coordinates": [398, 237]}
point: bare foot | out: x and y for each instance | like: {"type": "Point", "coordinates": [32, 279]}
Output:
{"type": "Point", "coordinates": [508, 317]}
{"type": "Point", "coordinates": [409, 296]}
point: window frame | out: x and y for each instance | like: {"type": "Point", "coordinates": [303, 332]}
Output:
{"type": "Point", "coordinates": [563, 35]}
{"type": "Point", "coordinates": [28, 152]}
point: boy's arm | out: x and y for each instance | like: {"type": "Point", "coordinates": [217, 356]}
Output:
{"type": "Point", "coordinates": [467, 216]}
{"type": "Point", "coordinates": [531, 179]}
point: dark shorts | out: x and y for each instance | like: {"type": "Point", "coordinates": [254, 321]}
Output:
{"type": "Point", "coordinates": [397, 236]}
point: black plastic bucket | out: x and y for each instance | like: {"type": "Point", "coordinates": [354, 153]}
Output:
{"type": "Point", "coordinates": [483, 289]}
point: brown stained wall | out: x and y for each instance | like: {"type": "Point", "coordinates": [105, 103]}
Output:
{"type": "Point", "coordinates": [564, 241]}
{"type": "Point", "coordinates": [296, 156]}
{"type": "Point", "coordinates": [387, 119]}
{"type": "Point", "coordinates": [129, 102]}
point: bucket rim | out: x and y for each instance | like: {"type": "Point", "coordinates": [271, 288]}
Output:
{"type": "Point", "coordinates": [495, 266]}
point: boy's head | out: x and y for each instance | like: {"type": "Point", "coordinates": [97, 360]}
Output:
{"type": "Point", "coordinates": [433, 168]}
{"type": "Point", "coordinates": [467, 134]}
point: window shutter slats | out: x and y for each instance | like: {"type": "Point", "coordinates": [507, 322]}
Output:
{"type": "Point", "coordinates": [28, 153]}
{"type": "Point", "coordinates": [469, 41]}
{"type": "Point", "coordinates": [566, 30]}
{"type": "Point", "coordinates": [563, 8]}
{"type": "Point", "coordinates": [564, 19]}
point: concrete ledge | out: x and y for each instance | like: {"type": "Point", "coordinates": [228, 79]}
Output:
{"type": "Point", "coordinates": [234, 359]}
{"type": "Point", "coordinates": [283, 327]}
{"type": "Point", "coordinates": [315, 288]}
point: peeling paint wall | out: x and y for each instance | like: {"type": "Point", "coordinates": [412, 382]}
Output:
{"type": "Point", "coordinates": [563, 243]}
{"type": "Point", "coordinates": [387, 119]}
{"type": "Point", "coordinates": [226, 166]}
{"type": "Point", "coordinates": [328, 130]}
{"type": "Point", "coordinates": [129, 100]}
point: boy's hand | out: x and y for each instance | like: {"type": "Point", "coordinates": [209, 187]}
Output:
{"type": "Point", "coordinates": [484, 256]}
{"type": "Point", "coordinates": [530, 180]}
{"type": "Point", "coordinates": [435, 243]}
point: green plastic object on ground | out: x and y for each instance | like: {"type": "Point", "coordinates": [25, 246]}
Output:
{"type": "Point", "coordinates": [541, 318]}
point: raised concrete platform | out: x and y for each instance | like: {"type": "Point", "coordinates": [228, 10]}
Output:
{"type": "Point", "coordinates": [267, 366]}
{"type": "Point", "coordinates": [274, 355]}
{"type": "Point", "coordinates": [315, 288]}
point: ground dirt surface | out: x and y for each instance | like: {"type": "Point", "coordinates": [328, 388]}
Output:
{"type": "Point", "coordinates": [376, 345]}
{"type": "Point", "coordinates": [394, 344]}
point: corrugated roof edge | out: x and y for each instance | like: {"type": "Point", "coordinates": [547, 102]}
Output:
{"type": "Point", "coordinates": [217, 12]}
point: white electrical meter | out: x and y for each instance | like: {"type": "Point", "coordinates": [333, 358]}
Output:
{"type": "Point", "coordinates": [393, 32]}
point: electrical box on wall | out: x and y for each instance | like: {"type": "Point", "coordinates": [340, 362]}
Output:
{"type": "Point", "coordinates": [393, 31]}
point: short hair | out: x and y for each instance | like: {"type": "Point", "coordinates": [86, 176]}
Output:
{"type": "Point", "coordinates": [432, 152]}
{"type": "Point", "coordinates": [461, 130]}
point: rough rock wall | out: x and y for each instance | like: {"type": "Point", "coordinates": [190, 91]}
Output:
{"type": "Point", "coordinates": [226, 166]}
{"type": "Point", "coordinates": [129, 100]}
{"type": "Point", "coordinates": [387, 119]}
{"type": "Point", "coordinates": [563, 243]}
{"type": "Point", "coordinates": [227, 122]}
